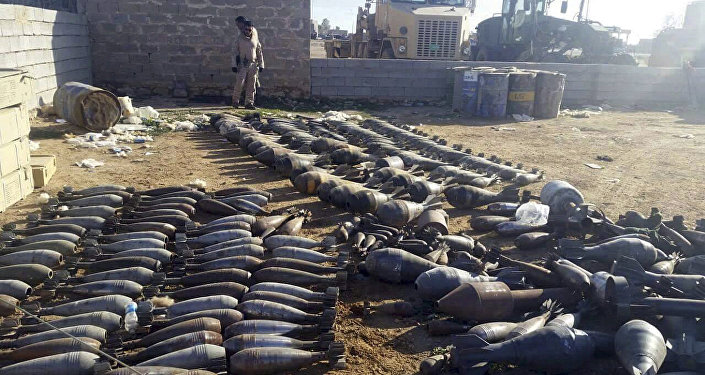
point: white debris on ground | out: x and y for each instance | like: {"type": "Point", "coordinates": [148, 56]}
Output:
{"type": "Point", "coordinates": [197, 183]}
{"type": "Point", "coordinates": [121, 151]}
{"type": "Point", "coordinates": [191, 123]}
{"type": "Point", "coordinates": [586, 112]}
{"type": "Point", "coordinates": [150, 116]}
{"type": "Point", "coordinates": [532, 213]}
{"type": "Point", "coordinates": [339, 116]}
{"type": "Point", "coordinates": [522, 118]}
{"type": "Point", "coordinates": [147, 112]}
{"type": "Point", "coordinates": [89, 163]}
{"type": "Point", "coordinates": [132, 120]}
{"type": "Point", "coordinates": [44, 198]}
{"type": "Point", "coordinates": [134, 127]}
{"type": "Point", "coordinates": [182, 126]}
{"type": "Point", "coordinates": [106, 139]}
{"type": "Point", "coordinates": [592, 166]}
{"type": "Point", "coordinates": [684, 136]}
{"type": "Point", "coordinates": [126, 105]}
{"type": "Point", "coordinates": [33, 146]}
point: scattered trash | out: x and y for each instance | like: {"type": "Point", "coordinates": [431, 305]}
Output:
{"type": "Point", "coordinates": [95, 140]}
{"type": "Point", "coordinates": [592, 108]}
{"type": "Point", "coordinates": [183, 126]}
{"type": "Point", "coordinates": [126, 105]}
{"type": "Point", "coordinates": [121, 150]}
{"type": "Point", "coordinates": [197, 183]}
{"type": "Point", "coordinates": [33, 146]}
{"type": "Point", "coordinates": [503, 128]}
{"type": "Point", "coordinates": [43, 198]}
{"type": "Point", "coordinates": [522, 118]}
{"type": "Point", "coordinates": [123, 128]}
{"type": "Point", "coordinates": [685, 136]}
{"type": "Point", "coordinates": [593, 166]}
{"type": "Point", "coordinates": [339, 116]}
{"type": "Point", "coordinates": [147, 113]}
{"type": "Point", "coordinates": [579, 113]}
{"type": "Point", "coordinates": [142, 139]}
{"type": "Point", "coordinates": [89, 163]}
{"type": "Point", "coordinates": [532, 213]}
{"type": "Point", "coordinates": [606, 158]}
{"type": "Point", "coordinates": [132, 120]}
{"type": "Point", "coordinates": [613, 180]}
{"type": "Point", "coordinates": [60, 121]}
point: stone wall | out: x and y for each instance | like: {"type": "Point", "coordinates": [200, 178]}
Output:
{"type": "Point", "coordinates": [433, 80]}
{"type": "Point", "coordinates": [144, 47]}
{"type": "Point", "coordinates": [53, 47]}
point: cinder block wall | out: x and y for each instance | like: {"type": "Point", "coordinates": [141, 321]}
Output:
{"type": "Point", "coordinates": [147, 46]}
{"type": "Point", "coordinates": [433, 80]}
{"type": "Point", "coordinates": [52, 46]}
{"type": "Point", "coordinates": [61, 5]}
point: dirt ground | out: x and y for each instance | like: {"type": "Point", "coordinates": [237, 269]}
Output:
{"type": "Point", "coordinates": [653, 167]}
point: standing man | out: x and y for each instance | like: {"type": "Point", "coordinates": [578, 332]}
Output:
{"type": "Point", "coordinates": [247, 63]}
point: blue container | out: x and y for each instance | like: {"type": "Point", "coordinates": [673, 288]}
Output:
{"type": "Point", "coordinates": [469, 92]}
{"type": "Point", "coordinates": [492, 94]}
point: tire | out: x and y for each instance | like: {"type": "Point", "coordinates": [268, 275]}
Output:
{"type": "Point", "coordinates": [483, 54]}
{"type": "Point", "coordinates": [623, 59]}
{"type": "Point", "coordinates": [525, 56]}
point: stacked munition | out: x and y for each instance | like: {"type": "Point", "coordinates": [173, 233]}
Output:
{"type": "Point", "coordinates": [131, 274]}
{"type": "Point", "coordinates": [391, 176]}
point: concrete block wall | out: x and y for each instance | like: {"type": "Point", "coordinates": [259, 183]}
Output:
{"type": "Point", "coordinates": [433, 80]}
{"type": "Point", "coordinates": [148, 47]}
{"type": "Point", "coordinates": [61, 5]}
{"type": "Point", "coordinates": [52, 46]}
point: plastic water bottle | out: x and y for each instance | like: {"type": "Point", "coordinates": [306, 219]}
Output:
{"type": "Point", "coordinates": [131, 317]}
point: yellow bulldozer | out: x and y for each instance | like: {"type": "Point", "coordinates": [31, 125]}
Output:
{"type": "Point", "coordinates": [409, 29]}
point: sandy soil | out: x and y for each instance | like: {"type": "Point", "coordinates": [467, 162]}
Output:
{"type": "Point", "coordinates": [652, 167]}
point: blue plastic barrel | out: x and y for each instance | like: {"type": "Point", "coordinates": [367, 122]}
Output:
{"type": "Point", "coordinates": [492, 94]}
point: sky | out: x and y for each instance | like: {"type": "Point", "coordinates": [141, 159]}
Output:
{"type": "Point", "coordinates": [644, 17]}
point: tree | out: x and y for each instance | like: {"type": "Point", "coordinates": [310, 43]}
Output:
{"type": "Point", "coordinates": [337, 28]}
{"type": "Point", "coordinates": [324, 28]}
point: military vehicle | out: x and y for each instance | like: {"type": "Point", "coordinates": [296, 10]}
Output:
{"type": "Point", "coordinates": [409, 29]}
{"type": "Point", "coordinates": [525, 32]}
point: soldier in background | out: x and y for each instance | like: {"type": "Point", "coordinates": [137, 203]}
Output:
{"type": "Point", "coordinates": [247, 63]}
{"type": "Point", "coordinates": [240, 22]}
